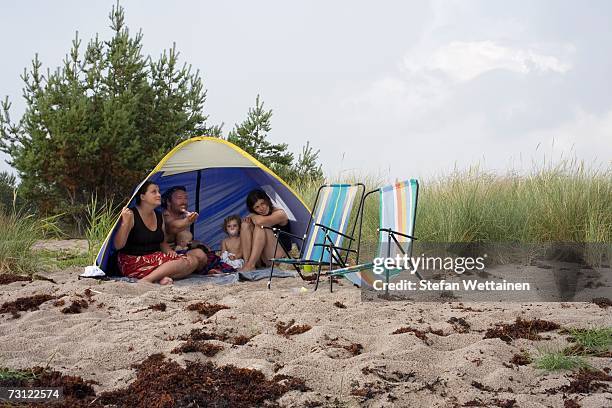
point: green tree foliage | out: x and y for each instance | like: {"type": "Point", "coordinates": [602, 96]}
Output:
{"type": "Point", "coordinates": [306, 165]}
{"type": "Point", "coordinates": [252, 136]}
{"type": "Point", "coordinates": [100, 121]}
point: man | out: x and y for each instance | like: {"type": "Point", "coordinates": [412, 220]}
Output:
{"type": "Point", "coordinates": [177, 218]}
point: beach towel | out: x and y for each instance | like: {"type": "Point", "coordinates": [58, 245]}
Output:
{"type": "Point", "coordinates": [216, 279]}
{"type": "Point", "coordinates": [265, 273]}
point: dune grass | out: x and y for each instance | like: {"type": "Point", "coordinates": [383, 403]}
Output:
{"type": "Point", "coordinates": [568, 202]}
{"type": "Point", "coordinates": [565, 203]}
{"type": "Point", "coordinates": [586, 343]}
{"type": "Point", "coordinates": [6, 374]}
{"type": "Point", "coordinates": [593, 341]}
{"type": "Point", "coordinates": [19, 231]}
{"type": "Point", "coordinates": [58, 260]}
{"type": "Point", "coordinates": [558, 360]}
{"type": "Point", "coordinates": [101, 217]}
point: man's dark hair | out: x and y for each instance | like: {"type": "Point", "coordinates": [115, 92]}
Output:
{"type": "Point", "coordinates": [168, 194]}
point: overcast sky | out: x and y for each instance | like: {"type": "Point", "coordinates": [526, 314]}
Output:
{"type": "Point", "coordinates": [396, 89]}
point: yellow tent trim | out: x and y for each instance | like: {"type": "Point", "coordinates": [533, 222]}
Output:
{"type": "Point", "coordinates": [232, 146]}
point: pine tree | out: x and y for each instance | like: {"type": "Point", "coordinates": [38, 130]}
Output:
{"type": "Point", "coordinates": [251, 135]}
{"type": "Point", "coordinates": [101, 121]}
{"type": "Point", "coordinates": [306, 165]}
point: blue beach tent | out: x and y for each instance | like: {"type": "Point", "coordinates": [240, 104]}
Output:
{"type": "Point", "coordinates": [217, 176]}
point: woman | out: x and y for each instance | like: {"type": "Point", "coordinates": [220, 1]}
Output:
{"type": "Point", "coordinates": [259, 244]}
{"type": "Point", "coordinates": [141, 242]}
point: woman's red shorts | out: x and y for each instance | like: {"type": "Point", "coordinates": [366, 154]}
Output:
{"type": "Point", "coordinates": [139, 266]}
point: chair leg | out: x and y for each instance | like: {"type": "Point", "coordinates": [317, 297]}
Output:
{"type": "Point", "coordinates": [270, 279]}
{"type": "Point", "coordinates": [331, 278]}
{"type": "Point", "coordinates": [415, 271]}
{"type": "Point", "coordinates": [318, 276]}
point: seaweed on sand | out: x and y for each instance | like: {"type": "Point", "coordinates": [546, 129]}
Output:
{"type": "Point", "coordinates": [206, 308]}
{"type": "Point", "coordinates": [195, 346]}
{"type": "Point", "coordinates": [75, 307]}
{"type": "Point", "coordinates": [288, 329]}
{"type": "Point", "coordinates": [76, 392]}
{"type": "Point", "coordinates": [163, 383]}
{"type": "Point", "coordinates": [6, 278]}
{"type": "Point", "coordinates": [23, 304]}
{"type": "Point", "coordinates": [520, 329]}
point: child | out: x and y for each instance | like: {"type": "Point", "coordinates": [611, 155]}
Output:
{"type": "Point", "coordinates": [231, 251]}
{"type": "Point", "coordinates": [183, 238]}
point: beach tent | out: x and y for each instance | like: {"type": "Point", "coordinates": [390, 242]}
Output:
{"type": "Point", "coordinates": [217, 176]}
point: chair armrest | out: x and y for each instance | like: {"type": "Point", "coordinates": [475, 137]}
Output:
{"type": "Point", "coordinates": [397, 233]}
{"type": "Point", "coordinates": [333, 230]}
{"type": "Point", "coordinates": [335, 247]}
{"type": "Point", "coordinates": [276, 230]}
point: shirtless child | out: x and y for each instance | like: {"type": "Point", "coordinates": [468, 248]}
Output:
{"type": "Point", "coordinates": [183, 239]}
{"type": "Point", "coordinates": [231, 251]}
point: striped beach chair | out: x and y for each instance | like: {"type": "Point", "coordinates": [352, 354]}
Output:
{"type": "Point", "coordinates": [330, 233]}
{"type": "Point", "coordinates": [398, 203]}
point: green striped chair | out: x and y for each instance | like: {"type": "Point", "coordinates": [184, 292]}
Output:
{"type": "Point", "coordinates": [398, 203]}
{"type": "Point", "coordinates": [330, 225]}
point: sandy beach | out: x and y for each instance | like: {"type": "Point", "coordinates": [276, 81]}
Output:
{"type": "Point", "coordinates": [454, 159]}
{"type": "Point", "coordinates": [346, 351]}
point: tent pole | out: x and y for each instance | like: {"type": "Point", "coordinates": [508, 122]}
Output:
{"type": "Point", "coordinates": [197, 200]}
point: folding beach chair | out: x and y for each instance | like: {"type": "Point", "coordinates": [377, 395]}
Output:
{"type": "Point", "coordinates": [327, 230]}
{"type": "Point", "coordinates": [398, 203]}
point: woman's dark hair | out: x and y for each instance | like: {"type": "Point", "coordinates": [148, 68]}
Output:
{"type": "Point", "coordinates": [142, 190]}
{"type": "Point", "coordinates": [231, 218]}
{"type": "Point", "coordinates": [258, 194]}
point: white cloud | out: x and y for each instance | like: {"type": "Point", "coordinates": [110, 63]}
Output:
{"type": "Point", "coordinates": [439, 100]}
{"type": "Point", "coordinates": [428, 78]}
{"type": "Point", "coordinates": [463, 61]}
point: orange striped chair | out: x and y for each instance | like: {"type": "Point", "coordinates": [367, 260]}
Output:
{"type": "Point", "coordinates": [398, 203]}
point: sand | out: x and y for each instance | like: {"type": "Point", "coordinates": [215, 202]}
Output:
{"type": "Point", "coordinates": [104, 340]}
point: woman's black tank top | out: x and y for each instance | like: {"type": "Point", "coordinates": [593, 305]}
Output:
{"type": "Point", "coordinates": [141, 240]}
{"type": "Point", "coordinates": [284, 240]}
